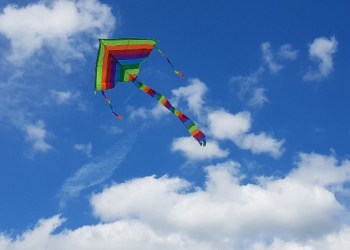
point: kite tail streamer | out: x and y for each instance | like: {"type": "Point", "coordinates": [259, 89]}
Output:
{"type": "Point", "coordinates": [190, 125]}
{"type": "Point", "coordinates": [167, 58]}
{"type": "Point", "coordinates": [110, 105]}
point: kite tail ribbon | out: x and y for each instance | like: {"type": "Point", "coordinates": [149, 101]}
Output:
{"type": "Point", "coordinates": [190, 125]}
{"type": "Point", "coordinates": [168, 60]}
{"type": "Point", "coordinates": [110, 105]}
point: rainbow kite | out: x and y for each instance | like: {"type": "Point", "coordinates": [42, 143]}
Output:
{"type": "Point", "coordinates": [119, 60]}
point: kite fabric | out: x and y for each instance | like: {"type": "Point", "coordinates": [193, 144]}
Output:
{"type": "Point", "coordinates": [119, 60]}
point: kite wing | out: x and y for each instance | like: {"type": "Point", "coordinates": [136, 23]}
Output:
{"type": "Point", "coordinates": [119, 60]}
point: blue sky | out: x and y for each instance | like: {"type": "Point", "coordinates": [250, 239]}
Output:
{"type": "Point", "coordinates": [266, 81]}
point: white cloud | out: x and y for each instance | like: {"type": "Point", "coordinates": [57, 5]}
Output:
{"type": "Point", "coordinates": [37, 135]}
{"type": "Point", "coordinates": [64, 97]}
{"type": "Point", "coordinates": [193, 94]}
{"type": "Point", "coordinates": [321, 51]}
{"type": "Point", "coordinates": [286, 52]}
{"type": "Point", "coordinates": [260, 143]}
{"type": "Point", "coordinates": [112, 130]}
{"type": "Point", "coordinates": [235, 127]}
{"type": "Point", "coordinates": [322, 170]}
{"type": "Point", "coordinates": [224, 207]}
{"type": "Point", "coordinates": [224, 125]}
{"type": "Point", "coordinates": [66, 27]}
{"type": "Point", "coordinates": [84, 148]}
{"type": "Point", "coordinates": [289, 213]}
{"type": "Point", "coordinates": [270, 58]}
{"type": "Point", "coordinates": [189, 148]}
{"type": "Point", "coordinates": [258, 98]}
{"type": "Point", "coordinates": [339, 240]}
{"type": "Point", "coordinates": [248, 92]}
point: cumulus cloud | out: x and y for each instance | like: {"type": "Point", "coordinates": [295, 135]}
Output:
{"type": "Point", "coordinates": [193, 94]}
{"type": "Point", "coordinates": [37, 135]}
{"type": "Point", "coordinates": [225, 208]}
{"type": "Point", "coordinates": [298, 211]}
{"type": "Point", "coordinates": [322, 170]}
{"type": "Point", "coordinates": [322, 50]}
{"type": "Point", "coordinates": [235, 127]}
{"type": "Point", "coordinates": [189, 148]}
{"type": "Point", "coordinates": [62, 26]}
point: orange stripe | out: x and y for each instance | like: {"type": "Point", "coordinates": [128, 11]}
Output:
{"type": "Point", "coordinates": [196, 131]}
{"type": "Point", "coordinates": [164, 101]}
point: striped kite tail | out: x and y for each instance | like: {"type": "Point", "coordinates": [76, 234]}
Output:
{"type": "Point", "coordinates": [187, 122]}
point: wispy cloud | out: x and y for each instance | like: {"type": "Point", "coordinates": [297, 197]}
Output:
{"type": "Point", "coordinates": [84, 148]}
{"type": "Point", "coordinates": [64, 97]}
{"type": "Point", "coordinates": [271, 58]}
{"type": "Point", "coordinates": [37, 135]}
{"type": "Point", "coordinates": [97, 171]}
{"type": "Point", "coordinates": [258, 98]}
{"type": "Point", "coordinates": [249, 91]}
{"type": "Point", "coordinates": [321, 50]}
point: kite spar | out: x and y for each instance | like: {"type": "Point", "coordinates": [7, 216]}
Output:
{"type": "Point", "coordinates": [119, 60]}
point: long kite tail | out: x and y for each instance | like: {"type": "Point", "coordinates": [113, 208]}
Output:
{"type": "Point", "coordinates": [188, 123]}
{"type": "Point", "coordinates": [110, 105]}
{"type": "Point", "coordinates": [171, 64]}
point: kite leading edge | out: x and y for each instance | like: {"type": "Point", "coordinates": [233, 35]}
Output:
{"type": "Point", "coordinates": [119, 60]}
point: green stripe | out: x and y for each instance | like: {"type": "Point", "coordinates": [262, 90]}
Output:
{"type": "Point", "coordinates": [99, 62]}
{"type": "Point", "coordinates": [124, 41]}
{"type": "Point", "coordinates": [192, 127]}
{"type": "Point", "coordinates": [130, 66]}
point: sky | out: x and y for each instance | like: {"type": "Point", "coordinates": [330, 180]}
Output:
{"type": "Point", "coordinates": [266, 81]}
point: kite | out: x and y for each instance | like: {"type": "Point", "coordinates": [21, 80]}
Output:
{"type": "Point", "coordinates": [119, 60]}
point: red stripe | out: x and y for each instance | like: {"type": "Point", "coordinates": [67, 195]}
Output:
{"type": "Point", "coordinates": [130, 52]}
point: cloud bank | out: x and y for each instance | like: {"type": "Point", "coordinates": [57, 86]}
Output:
{"type": "Point", "coordinates": [299, 211]}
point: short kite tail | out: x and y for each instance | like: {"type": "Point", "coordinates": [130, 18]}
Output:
{"type": "Point", "coordinates": [187, 122]}
{"type": "Point", "coordinates": [168, 60]}
{"type": "Point", "coordinates": [110, 105]}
